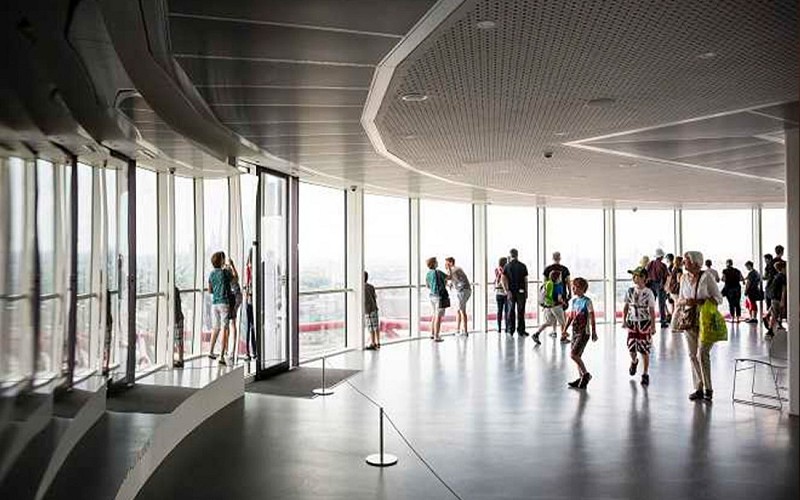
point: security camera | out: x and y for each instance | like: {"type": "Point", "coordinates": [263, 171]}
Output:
{"type": "Point", "coordinates": [548, 154]}
{"type": "Point", "coordinates": [635, 209]}
{"type": "Point", "coordinates": [353, 189]}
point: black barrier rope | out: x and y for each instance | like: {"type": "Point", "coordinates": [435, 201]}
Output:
{"type": "Point", "coordinates": [405, 440]}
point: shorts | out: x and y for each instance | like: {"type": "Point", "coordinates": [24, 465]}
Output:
{"type": "Point", "coordinates": [554, 315]}
{"type": "Point", "coordinates": [437, 311]}
{"type": "Point", "coordinates": [373, 323]}
{"type": "Point", "coordinates": [220, 314]}
{"type": "Point", "coordinates": [579, 343]}
{"type": "Point", "coordinates": [233, 312]}
{"type": "Point", "coordinates": [463, 296]}
{"type": "Point", "coordinates": [638, 341]}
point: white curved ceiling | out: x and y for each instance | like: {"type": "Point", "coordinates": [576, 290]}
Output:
{"type": "Point", "coordinates": [294, 77]}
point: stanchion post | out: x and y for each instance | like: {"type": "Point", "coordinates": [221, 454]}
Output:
{"type": "Point", "coordinates": [381, 459]}
{"type": "Point", "coordinates": [323, 391]}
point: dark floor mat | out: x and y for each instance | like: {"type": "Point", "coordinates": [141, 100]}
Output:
{"type": "Point", "coordinates": [145, 398]}
{"type": "Point", "coordinates": [68, 404]}
{"type": "Point", "coordinates": [299, 382]}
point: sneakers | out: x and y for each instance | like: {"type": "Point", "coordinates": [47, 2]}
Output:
{"type": "Point", "coordinates": [553, 334]}
{"type": "Point", "coordinates": [222, 361]}
{"type": "Point", "coordinates": [645, 379]}
{"type": "Point", "coordinates": [212, 356]}
{"type": "Point", "coordinates": [524, 334]}
{"type": "Point", "coordinates": [585, 380]}
{"type": "Point", "coordinates": [575, 384]}
{"type": "Point", "coordinates": [708, 395]}
{"type": "Point", "coordinates": [440, 339]}
{"type": "Point", "coordinates": [536, 338]}
{"type": "Point", "coordinates": [698, 394]}
{"type": "Point", "coordinates": [632, 369]}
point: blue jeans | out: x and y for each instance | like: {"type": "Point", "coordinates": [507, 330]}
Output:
{"type": "Point", "coordinates": [661, 296]}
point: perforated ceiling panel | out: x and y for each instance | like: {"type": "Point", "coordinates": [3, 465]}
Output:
{"type": "Point", "coordinates": [499, 98]}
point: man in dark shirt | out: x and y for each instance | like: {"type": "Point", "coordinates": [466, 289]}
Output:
{"type": "Point", "coordinates": [777, 310]}
{"type": "Point", "coordinates": [769, 274]}
{"type": "Point", "coordinates": [732, 290]}
{"type": "Point", "coordinates": [516, 274]}
{"type": "Point", "coordinates": [564, 270]}
{"type": "Point", "coordinates": [657, 273]}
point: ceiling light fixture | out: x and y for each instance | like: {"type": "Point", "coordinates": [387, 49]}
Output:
{"type": "Point", "coordinates": [409, 137]}
{"type": "Point", "coordinates": [414, 97]}
{"type": "Point", "coordinates": [628, 165]}
{"type": "Point", "coordinates": [486, 25]}
{"type": "Point", "coordinates": [600, 102]}
{"type": "Point", "coordinates": [707, 55]}
{"type": "Point", "coordinates": [560, 134]}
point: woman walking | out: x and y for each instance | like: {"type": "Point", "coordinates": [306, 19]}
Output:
{"type": "Point", "coordinates": [697, 287]}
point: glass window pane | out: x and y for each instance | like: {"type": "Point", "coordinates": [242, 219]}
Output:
{"type": "Point", "coordinates": [84, 227]}
{"type": "Point", "coordinates": [83, 331]}
{"type": "Point", "coordinates": [16, 205]}
{"type": "Point", "coordinates": [386, 240]}
{"type": "Point", "coordinates": [773, 230]}
{"type": "Point", "coordinates": [184, 234]}
{"type": "Point", "coordinates": [322, 233]}
{"type": "Point", "coordinates": [249, 192]}
{"type": "Point", "coordinates": [187, 307]}
{"type": "Point", "coordinates": [719, 235]}
{"type": "Point", "coordinates": [146, 312]}
{"type": "Point", "coordinates": [322, 324]}
{"type": "Point", "coordinates": [112, 213]}
{"type": "Point", "coordinates": [507, 228]}
{"type": "Point", "coordinates": [578, 234]}
{"type": "Point", "coordinates": [446, 231]}
{"type": "Point", "coordinates": [215, 222]}
{"type": "Point", "coordinates": [146, 231]}
{"type": "Point", "coordinates": [394, 313]}
{"type": "Point", "coordinates": [46, 222]}
{"type": "Point", "coordinates": [639, 233]}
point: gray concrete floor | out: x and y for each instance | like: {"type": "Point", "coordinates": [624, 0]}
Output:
{"type": "Point", "coordinates": [494, 417]}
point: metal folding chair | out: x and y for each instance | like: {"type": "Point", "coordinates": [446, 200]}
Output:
{"type": "Point", "coordinates": [775, 361]}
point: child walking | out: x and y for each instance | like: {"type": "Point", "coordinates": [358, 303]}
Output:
{"type": "Point", "coordinates": [371, 314]}
{"type": "Point", "coordinates": [580, 316]}
{"type": "Point", "coordinates": [639, 313]}
{"type": "Point", "coordinates": [552, 298]}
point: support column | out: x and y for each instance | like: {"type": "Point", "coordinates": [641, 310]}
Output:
{"type": "Point", "coordinates": [166, 266]}
{"type": "Point", "coordinates": [610, 264]}
{"type": "Point", "coordinates": [793, 264]}
{"type": "Point", "coordinates": [354, 258]}
{"type": "Point", "coordinates": [415, 264]}
{"type": "Point", "coordinates": [480, 269]}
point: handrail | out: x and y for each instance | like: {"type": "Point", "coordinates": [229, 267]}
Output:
{"type": "Point", "coordinates": [326, 292]}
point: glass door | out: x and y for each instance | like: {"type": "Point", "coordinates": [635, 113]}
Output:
{"type": "Point", "coordinates": [272, 276]}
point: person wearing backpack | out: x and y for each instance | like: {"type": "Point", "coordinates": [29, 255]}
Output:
{"type": "Point", "coordinates": [234, 303]}
{"type": "Point", "coordinates": [219, 286]}
{"type": "Point", "coordinates": [552, 298]}
{"type": "Point", "coordinates": [440, 300]}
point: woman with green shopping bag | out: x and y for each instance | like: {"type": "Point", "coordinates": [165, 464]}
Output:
{"type": "Point", "coordinates": [697, 289]}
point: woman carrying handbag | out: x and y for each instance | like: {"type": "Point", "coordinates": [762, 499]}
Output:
{"type": "Point", "coordinates": [696, 288]}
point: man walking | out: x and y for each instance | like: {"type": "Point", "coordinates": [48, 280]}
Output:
{"type": "Point", "coordinates": [563, 270]}
{"type": "Point", "coordinates": [657, 273]}
{"type": "Point", "coordinates": [517, 275]}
